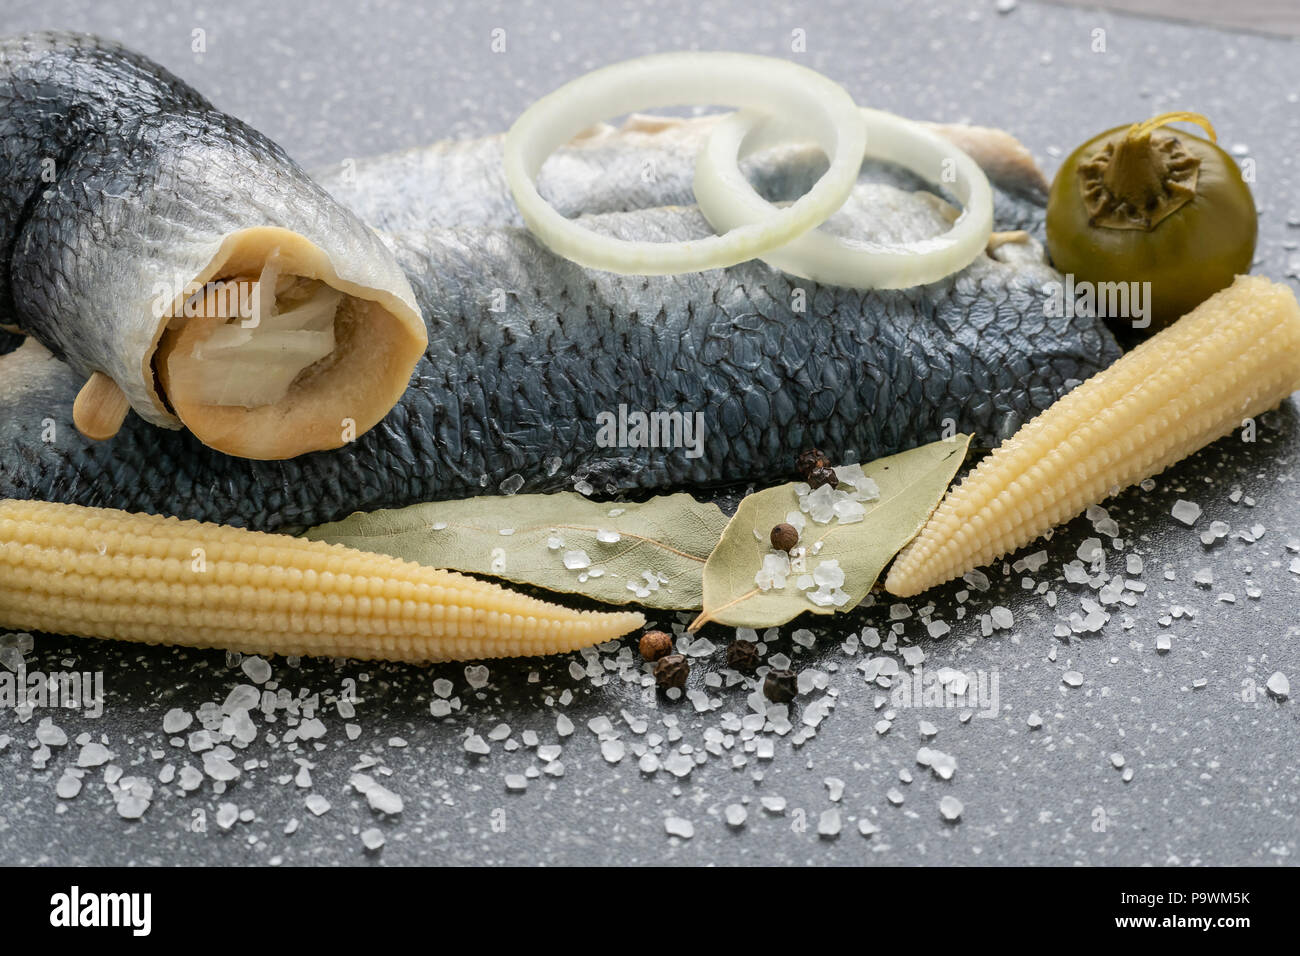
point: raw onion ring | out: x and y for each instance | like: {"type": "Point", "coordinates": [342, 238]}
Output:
{"type": "Point", "coordinates": [729, 202]}
{"type": "Point", "coordinates": [824, 109]}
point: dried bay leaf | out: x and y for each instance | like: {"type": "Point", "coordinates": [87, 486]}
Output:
{"type": "Point", "coordinates": [670, 536]}
{"type": "Point", "coordinates": [910, 484]}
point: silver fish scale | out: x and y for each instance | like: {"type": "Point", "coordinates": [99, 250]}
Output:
{"type": "Point", "coordinates": [506, 391]}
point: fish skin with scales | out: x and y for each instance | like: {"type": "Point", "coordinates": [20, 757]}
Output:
{"type": "Point", "coordinates": [526, 350]}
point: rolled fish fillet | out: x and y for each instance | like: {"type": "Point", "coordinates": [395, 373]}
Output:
{"type": "Point", "coordinates": [184, 264]}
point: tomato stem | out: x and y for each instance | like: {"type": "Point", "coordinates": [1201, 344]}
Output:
{"type": "Point", "coordinates": [1138, 172]}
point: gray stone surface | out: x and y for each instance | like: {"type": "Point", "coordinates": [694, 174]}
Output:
{"type": "Point", "coordinates": [1213, 756]}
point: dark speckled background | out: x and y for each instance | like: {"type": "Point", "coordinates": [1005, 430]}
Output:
{"type": "Point", "coordinates": [1214, 757]}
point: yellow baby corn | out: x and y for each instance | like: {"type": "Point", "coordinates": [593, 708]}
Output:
{"type": "Point", "coordinates": [94, 572]}
{"type": "Point", "coordinates": [1233, 357]}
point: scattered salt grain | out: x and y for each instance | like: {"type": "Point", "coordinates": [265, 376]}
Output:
{"type": "Point", "coordinates": [1186, 511]}
{"type": "Point", "coordinates": [829, 823]}
{"type": "Point", "coordinates": [257, 669]}
{"type": "Point", "coordinates": [951, 809]}
{"type": "Point", "coordinates": [1279, 686]}
{"type": "Point", "coordinates": [176, 720]}
{"type": "Point", "coordinates": [93, 755]}
{"type": "Point", "coordinates": [678, 827]}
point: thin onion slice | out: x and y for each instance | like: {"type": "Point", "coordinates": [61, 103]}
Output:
{"type": "Point", "coordinates": [729, 202]}
{"type": "Point", "coordinates": [825, 110]}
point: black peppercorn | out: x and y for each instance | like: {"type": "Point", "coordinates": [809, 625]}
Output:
{"type": "Point", "coordinates": [671, 671]}
{"type": "Point", "coordinates": [784, 537]}
{"type": "Point", "coordinates": [781, 687]}
{"type": "Point", "coordinates": [810, 459]}
{"type": "Point", "coordinates": [823, 476]}
{"type": "Point", "coordinates": [742, 656]}
{"type": "Point", "coordinates": [654, 645]}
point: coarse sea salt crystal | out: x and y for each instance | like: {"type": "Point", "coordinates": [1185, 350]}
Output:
{"type": "Point", "coordinates": [93, 755]}
{"type": "Point", "coordinates": [1186, 511]}
{"type": "Point", "coordinates": [821, 504]}
{"type": "Point", "coordinates": [576, 560]}
{"type": "Point", "coordinates": [849, 512]}
{"type": "Point", "coordinates": [49, 734]}
{"type": "Point", "coordinates": [773, 573]}
{"type": "Point", "coordinates": [1090, 550]}
{"type": "Point", "coordinates": [612, 750]}
{"type": "Point", "coordinates": [1217, 531]}
{"type": "Point", "coordinates": [951, 809]}
{"type": "Point", "coordinates": [823, 597]}
{"type": "Point", "coordinates": [942, 765]}
{"type": "Point", "coordinates": [1279, 686]}
{"type": "Point", "coordinates": [828, 574]}
{"type": "Point", "coordinates": [676, 826]}
{"type": "Point", "coordinates": [865, 488]}
{"type": "Point", "coordinates": [608, 537]}
{"type": "Point", "coordinates": [68, 786]}
{"type": "Point", "coordinates": [829, 823]}
{"type": "Point", "coordinates": [317, 804]}
{"type": "Point", "coordinates": [258, 670]}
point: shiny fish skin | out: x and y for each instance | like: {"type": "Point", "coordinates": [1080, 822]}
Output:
{"type": "Point", "coordinates": [649, 161]}
{"type": "Point", "coordinates": [526, 349]}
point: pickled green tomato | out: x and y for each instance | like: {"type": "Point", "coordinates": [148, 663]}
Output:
{"type": "Point", "coordinates": [1170, 209]}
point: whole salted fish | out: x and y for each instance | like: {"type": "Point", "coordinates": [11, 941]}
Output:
{"type": "Point", "coordinates": [539, 374]}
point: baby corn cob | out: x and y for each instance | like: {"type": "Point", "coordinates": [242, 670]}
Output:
{"type": "Point", "coordinates": [1233, 357]}
{"type": "Point", "coordinates": [94, 572]}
